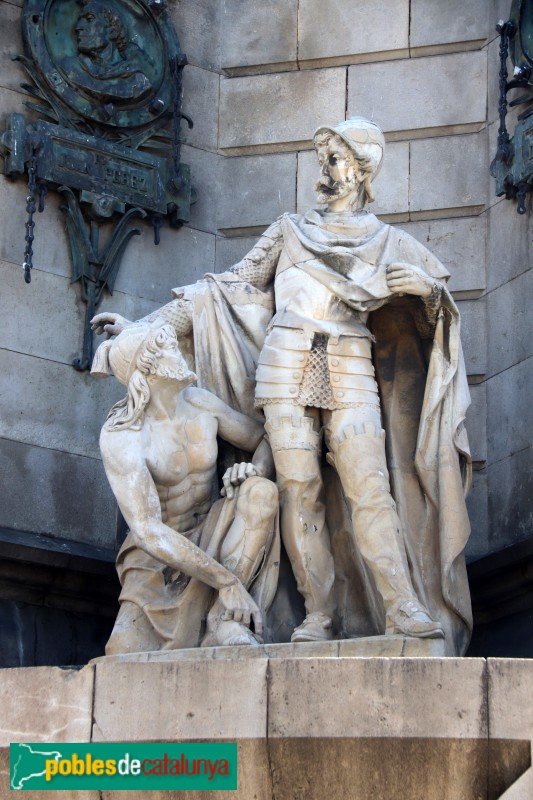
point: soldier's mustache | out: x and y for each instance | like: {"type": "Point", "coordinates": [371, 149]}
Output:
{"type": "Point", "coordinates": [325, 186]}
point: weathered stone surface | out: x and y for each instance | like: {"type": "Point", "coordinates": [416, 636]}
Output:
{"type": "Point", "coordinates": [391, 185]}
{"type": "Point", "coordinates": [14, 101]}
{"type": "Point", "coordinates": [510, 708]}
{"type": "Point", "coordinates": [510, 493]}
{"type": "Point", "coordinates": [200, 102]}
{"type": "Point", "coordinates": [510, 410]}
{"type": "Point", "coordinates": [477, 504]}
{"type": "Point", "coordinates": [377, 698]}
{"type": "Point", "coordinates": [59, 494]}
{"type": "Point", "coordinates": [267, 110]}
{"type": "Point", "coordinates": [258, 34]}
{"type": "Point", "coordinates": [387, 714]}
{"type": "Point", "coordinates": [46, 305]}
{"type": "Point", "coordinates": [50, 246]}
{"type": "Point", "coordinates": [476, 422]}
{"type": "Point", "coordinates": [260, 189]}
{"type": "Point", "coordinates": [333, 31]}
{"type": "Point", "coordinates": [197, 23]}
{"type": "Point", "coordinates": [493, 70]}
{"type": "Point", "coordinates": [51, 304]}
{"type": "Point", "coordinates": [181, 257]}
{"type": "Point", "coordinates": [180, 701]}
{"type": "Point", "coordinates": [12, 73]}
{"type": "Point", "coordinates": [308, 172]}
{"type": "Point", "coordinates": [46, 704]}
{"type": "Point", "coordinates": [449, 172]}
{"type": "Point", "coordinates": [365, 647]}
{"type": "Point", "coordinates": [461, 246]}
{"type": "Point", "coordinates": [510, 715]}
{"type": "Point", "coordinates": [511, 323]}
{"type": "Point", "coordinates": [46, 794]}
{"type": "Point", "coordinates": [230, 251]}
{"type": "Point", "coordinates": [474, 335]}
{"type": "Point", "coordinates": [189, 701]}
{"type": "Point", "coordinates": [205, 172]}
{"type": "Point", "coordinates": [75, 404]}
{"type": "Point", "coordinates": [421, 92]}
{"type": "Point", "coordinates": [508, 243]}
{"type": "Point", "coordinates": [452, 22]}
{"type": "Point", "coordinates": [130, 306]}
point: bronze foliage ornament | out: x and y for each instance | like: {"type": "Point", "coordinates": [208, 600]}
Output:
{"type": "Point", "coordinates": [106, 82]}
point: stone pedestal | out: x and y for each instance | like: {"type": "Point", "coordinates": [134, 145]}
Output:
{"type": "Point", "coordinates": [308, 727]}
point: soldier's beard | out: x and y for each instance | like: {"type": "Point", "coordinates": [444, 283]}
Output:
{"type": "Point", "coordinates": [328, 190]}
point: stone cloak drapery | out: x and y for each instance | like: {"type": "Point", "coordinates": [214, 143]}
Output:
{"type": "Point", "coordinates": [424, 397]}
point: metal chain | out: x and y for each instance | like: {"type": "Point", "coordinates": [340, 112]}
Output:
{"type": "Point", "coordinates": [30, 209]}
{"type": "Point", "coordinates": [177, 69]}
{"type": "Point", "coordinates": [504, 152]}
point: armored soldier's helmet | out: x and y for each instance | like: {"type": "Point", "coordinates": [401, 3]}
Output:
{"type": "Point", "coordinates": [363, 137]}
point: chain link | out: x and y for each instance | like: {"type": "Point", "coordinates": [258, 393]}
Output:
{"type": "Point", "coordinates": [30, 210]}
{"type": "Point", "coordinates": [505, 151]}
{"type": "Point", "coordinates": [177, 68]}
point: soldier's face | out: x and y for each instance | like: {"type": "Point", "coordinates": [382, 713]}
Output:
{"type": "Point", "coordinates": [340, 176]}
{"type": "Point", "coordinates": [92, 30]}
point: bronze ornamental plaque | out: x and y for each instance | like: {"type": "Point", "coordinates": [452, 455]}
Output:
{"type": "Point", "coordinates": [107, 79]}
{"type": "Point", "coordinates": [109, 62]}
{"type": "Point", "coordinates": [84, 162]}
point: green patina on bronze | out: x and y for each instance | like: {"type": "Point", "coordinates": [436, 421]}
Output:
{"type": "Point", "coordinates": [512, 166]}
{"type": "Point", "coordinates": [521, 45]}
{"type": "Point", "coordinates": [108, 79]}
{"type": "Point", "coordinates": [110, 62]}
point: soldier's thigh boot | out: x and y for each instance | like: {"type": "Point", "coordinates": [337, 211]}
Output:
{"type": "Point", "coordinates": [357, 449]}
{"type": "Point", "coordinates": [296, 450]}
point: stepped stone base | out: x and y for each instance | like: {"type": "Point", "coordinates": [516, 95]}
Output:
{"type": "Point", "coordinates": [308, 726]}
{"type": "Point", "coordinates": [363, 647]}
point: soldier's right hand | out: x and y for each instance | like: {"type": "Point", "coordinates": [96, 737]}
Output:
{"type": "Point", "coordinates": [236, 475]}
{"type": "Point", "coordinates": [110, 323]}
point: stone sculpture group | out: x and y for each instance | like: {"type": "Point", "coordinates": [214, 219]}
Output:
{"type": "Point", "coordinates": [331, 355]}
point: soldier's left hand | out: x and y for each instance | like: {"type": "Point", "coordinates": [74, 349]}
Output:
{"type": "Point", "coordinates": [404, 278]}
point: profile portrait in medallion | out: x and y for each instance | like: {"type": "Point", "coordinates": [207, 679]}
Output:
{"type": "Point", "coordinates": [108, 64]}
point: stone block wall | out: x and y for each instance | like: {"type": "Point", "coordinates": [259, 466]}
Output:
{"type": "Point", "coordinates": [261, 78]}
{"type": "Point", "coordinates": [51, 477]}
{"type": "Point", "coordinates": [427, 74]}
{"type": "Point", "coordinates": [420, 729]}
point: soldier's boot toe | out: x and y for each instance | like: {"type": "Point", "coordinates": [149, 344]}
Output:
{"type": "Point", "coordinates": [410, 618]}
{"type": "Point", "coordinates": [316, 627]}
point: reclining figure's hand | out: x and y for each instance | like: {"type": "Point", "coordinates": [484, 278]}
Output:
{"type": "Point", "coordinates": [110, 323]}
{"type": "Point", "coordinates": [236, 475]}
{"type": "Point", "coordinates": [240, 607]}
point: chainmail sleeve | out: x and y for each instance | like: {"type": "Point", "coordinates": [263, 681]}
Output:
{"type": "Point", "coordinates": [427, 311]}
{"type": "Point", "coordinates": [178, 313]}
{"type": "Point", "coordinates": [258, 267]}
